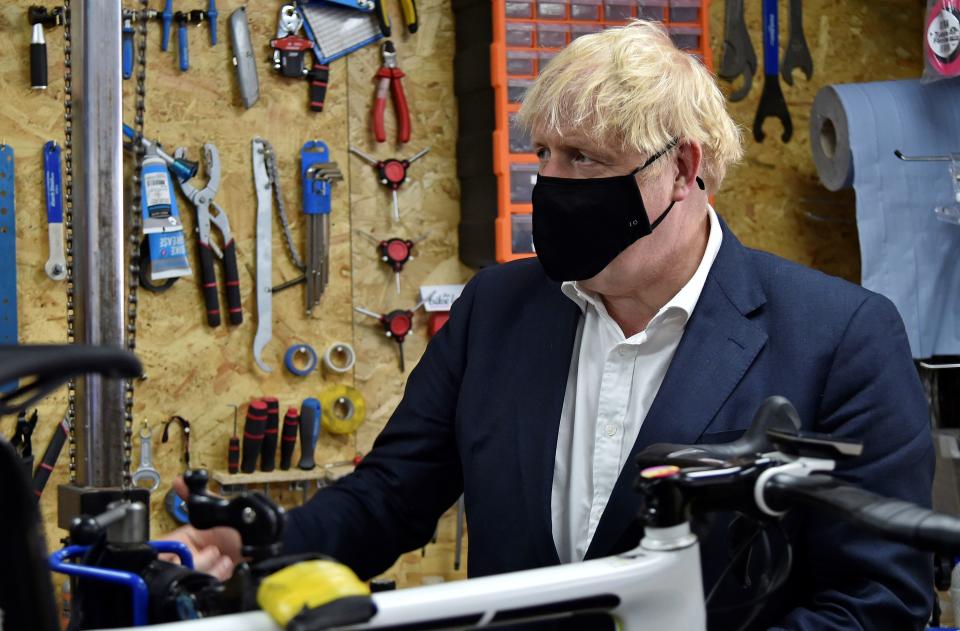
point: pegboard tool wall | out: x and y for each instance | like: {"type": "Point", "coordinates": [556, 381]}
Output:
{"type": "Point", "coordinates": [772, 201]}
{"type": "Point", "coordinates": [192, 369]}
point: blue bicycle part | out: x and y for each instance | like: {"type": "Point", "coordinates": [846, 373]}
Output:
{"type": "Point", "coordinates": [59, 563]}
{"type": "Point", "coordinates": [183, 46]}
{"type": "Point", "coordinates": [8, 257]}
{"type": "Point", "coordinates": [167, 18]}
{"type": "Point", "coordinates": [212, 14]}
{"type": "Point", "coordinates": [176, 507]}
{"type": "Point", "coordinates": [127, 40]}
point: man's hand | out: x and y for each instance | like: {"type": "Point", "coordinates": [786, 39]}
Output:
{"type": "Point", "coordinates": [215, 551]}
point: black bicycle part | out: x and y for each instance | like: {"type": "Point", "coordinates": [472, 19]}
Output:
{"type": "Point", "coordinates": [46, 367]}
{"type": "Point", "coordinates": [775, 413]}
{"type": "Point", "coordinates": [26, 591]}
{"type": "Point", "coordinates": [259, 521]}
{"type": "Point", "coordinates": [892, 519]}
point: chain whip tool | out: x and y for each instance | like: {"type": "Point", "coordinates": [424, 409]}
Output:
{"type": "Point", "coordinates": [133, 271]}
{"type": "Point", "coordinates": [262, 153]}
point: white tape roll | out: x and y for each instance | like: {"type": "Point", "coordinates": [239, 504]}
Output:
{"type": "Point", "coordinates": [339, 358]}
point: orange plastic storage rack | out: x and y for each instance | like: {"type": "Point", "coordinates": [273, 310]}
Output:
{"type": "Point", "coordinates": [527, 34]}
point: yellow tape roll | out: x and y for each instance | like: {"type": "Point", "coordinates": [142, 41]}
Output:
{"type": "Point", "coordinates": [307, 585]}
{"type": "Point", "coordinates": [344, 409]}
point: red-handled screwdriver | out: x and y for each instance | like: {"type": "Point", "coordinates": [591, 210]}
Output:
{"type": "Point", "coordinates": [268, 450]}
{"type": "Point", "coordinates": [288, 440]}
{"type": "Point", "coordinates": [233, 451]}
{"type": "Point", "coordinates": [253, 430]}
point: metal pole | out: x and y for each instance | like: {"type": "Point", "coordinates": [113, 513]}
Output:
{"type": "Point", "coordinates": [98, 233]}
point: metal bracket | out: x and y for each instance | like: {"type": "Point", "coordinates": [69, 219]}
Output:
{"type": "Point", "coordinates": [8, 256]}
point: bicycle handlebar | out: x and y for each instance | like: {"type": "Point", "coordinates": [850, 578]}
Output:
{"type": "Point", "coordinates": [894, 520]}
{"type": "Point", "coordinates": [48, 366]}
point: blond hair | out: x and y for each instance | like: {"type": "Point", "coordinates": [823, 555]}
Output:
{"type": "Point", "coordinates": [631, 85]}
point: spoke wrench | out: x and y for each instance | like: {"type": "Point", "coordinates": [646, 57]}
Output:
{"type": "Point", "coordinates": [739, 57]}
{"type": "Point", "coordinates": [146, 470]}
{"type": "Point", "coordinates": [797, 54]}
{"type": "Point", "coordinates": [771, 100]}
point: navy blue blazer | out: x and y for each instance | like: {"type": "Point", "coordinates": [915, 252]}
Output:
{"type": "Point", "coordinates": [481, 411]}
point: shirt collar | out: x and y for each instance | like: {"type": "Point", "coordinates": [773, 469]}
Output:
{"type": "Point", "coordinates": [685, 300]}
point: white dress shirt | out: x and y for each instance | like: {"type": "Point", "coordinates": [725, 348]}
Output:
{"type": "Point", "coordinates": [611, 384]}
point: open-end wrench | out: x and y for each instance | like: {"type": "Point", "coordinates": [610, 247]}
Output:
{"type": "Point", "coordinates": [146, 470]}
{"type": "Point", "coordinates": [739, 57]}
{"type": "Point", "coordinates": [771, 100]}
{"type": "Point", "coordinates": [56, 266]}
{"type": "Point", "coordinates": [797, 54]}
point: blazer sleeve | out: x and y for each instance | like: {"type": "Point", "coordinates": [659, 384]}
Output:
{"type": "Point", "coordinates": [872, 394]}
{"type": "Point", "coordinates": [391, 503]}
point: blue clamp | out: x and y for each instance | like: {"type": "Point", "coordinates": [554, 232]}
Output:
{"type": "Point", "coordinates": [295, 350]}
{"type": "Point", "coordinates": [141, 595]}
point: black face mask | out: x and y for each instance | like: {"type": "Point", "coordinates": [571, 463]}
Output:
{"type": "Point", "coordinates": [581, 225]}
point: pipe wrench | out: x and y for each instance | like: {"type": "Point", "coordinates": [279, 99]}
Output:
{"type": "Point", "coordinates": [264, 187]}
{"type": "Point", "coordinates": [202, 199]}
{"type": "Point", "coordinates": [56, 266]}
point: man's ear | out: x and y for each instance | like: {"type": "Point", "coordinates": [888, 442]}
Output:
{"type": "Point", "coordinates": [689, 160]}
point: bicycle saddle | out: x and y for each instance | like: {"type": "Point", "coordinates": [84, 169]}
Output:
{"type": "Point", "coordinates": [45, 367]}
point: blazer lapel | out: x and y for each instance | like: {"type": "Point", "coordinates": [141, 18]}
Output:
{"type": "Point", "coordinates": [716, 350]}
{"type": "Point", "coordinates": [550, 328]}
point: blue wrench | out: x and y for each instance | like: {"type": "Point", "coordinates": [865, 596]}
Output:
{"type": "Point", "coordinates": [772, 103]}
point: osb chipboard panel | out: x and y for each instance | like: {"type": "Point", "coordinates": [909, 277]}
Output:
{"type": "Point", "coordinates": [773, 200]}
{"type": "Point", "coordinates": [193, 370]}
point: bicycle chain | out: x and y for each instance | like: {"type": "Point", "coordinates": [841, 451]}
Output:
{"type": "Point", "coordinates": [273, 174]}
{"type": "Point", "coordinates": [133, 269]}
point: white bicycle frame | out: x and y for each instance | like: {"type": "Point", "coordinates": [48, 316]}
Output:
{"type": "Point", "coordinates": [656, 586]}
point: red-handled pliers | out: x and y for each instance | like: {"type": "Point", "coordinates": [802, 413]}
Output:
{"type": "Point", "coordinates": [388, 77]}
{"type": "Point", "coordinates": [203, 200]}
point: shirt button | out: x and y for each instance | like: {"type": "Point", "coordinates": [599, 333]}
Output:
{"type": "Point", "coordinates": [611, 429]}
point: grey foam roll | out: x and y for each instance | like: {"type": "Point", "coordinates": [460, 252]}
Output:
{"type": "Point", "coordinates": [830, 140]}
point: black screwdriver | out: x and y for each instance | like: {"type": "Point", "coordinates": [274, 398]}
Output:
{"type": "Point", "coordinates": [268, 450]}
{"type": "Point", "coordinates": [309, 431]}
{"type": "Point", "coordinates": [288, 440]}
{"type": "Point", "coordinates": [233, 451]}
{"type": "Point", "coordinates": [253, 430]}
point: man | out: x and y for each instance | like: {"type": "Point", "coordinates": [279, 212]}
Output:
{"type": "Point", "coordinates": [643, 321]}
